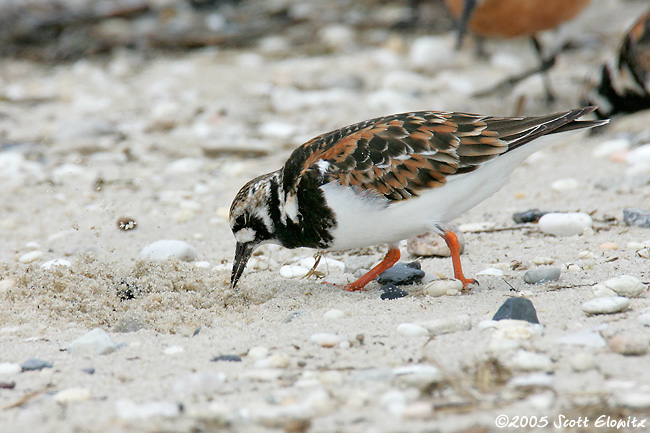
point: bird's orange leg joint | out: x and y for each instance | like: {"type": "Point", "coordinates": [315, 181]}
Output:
{"type": "Point", "coordinates": [452, 242]}
{"type": "Point", "coordinates": [392, 256]}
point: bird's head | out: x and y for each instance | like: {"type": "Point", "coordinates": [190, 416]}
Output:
{"type": "Point", "coordinates": [250, 221]}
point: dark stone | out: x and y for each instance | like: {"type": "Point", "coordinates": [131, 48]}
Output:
{"type": "Point", "coordinates": [88, 370]}
{"type": "Point", "coordinates": [517, 309]}
{"type": "Point", "coordinates": [228, 358]}
{"type": "Point", "coordinates": [197, 331]}
{"type": "Point", "coordinates": [35, 364]}
{"type": "Point", "coordinates": [7, 385]}
{"type": "Point", "coordinates": [391, 291]}
{"type": "Point", "coordinates": [636, 217]}
{"type": "Point", "coordinates": [528, 216]}
{"type": "Point", "coordinates": [401, 274]}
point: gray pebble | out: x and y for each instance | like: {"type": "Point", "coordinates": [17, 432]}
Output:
{"type": "Point", "coordinates": [528, 216]}
{"type": "Point", "coordinates": [88, 370]}
{"type": "Point", "coordinates": [391, 291]}
{"type": "Point", "coordinates": [130, 322]}
{"type": "Point", "coordinates": [517, 309]}
{"type": "Point", "coordinates": [636, 217]}
{"type": "Point", "coordinates": [35, 364]}
{"type": "Point", "coordinates": [401, 274]}
{"type": "Point", "coordinates": [542, 275]}
{"type": "Point", "coordinates": [228, 358]}
{"type": "Point", "coordinates": [95, 342]}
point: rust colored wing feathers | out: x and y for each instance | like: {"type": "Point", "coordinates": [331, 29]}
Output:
{"type": "Point", "coordinates": [399, 156]}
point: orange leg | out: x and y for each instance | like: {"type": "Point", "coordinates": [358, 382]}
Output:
{"type": "Point", "coordinates": [452, 242]}
{"type": "Point", "coordinates": [392, 256]}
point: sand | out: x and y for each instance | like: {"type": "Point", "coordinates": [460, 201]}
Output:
{"type": "Point", "coordinates": [168, 139]}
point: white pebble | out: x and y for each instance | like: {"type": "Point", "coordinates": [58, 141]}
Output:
{"type": "Point", "coordinates": [334, 314]}
{"type": "Point", "coordinates": [637, 400]}
{"type": "Point", "coordinates": [325, 264]}
{"type": "Point", "coordinates": [431, 52]}
{"type": "Point", "coordinates": [258, 352]}
{"type": "Point", "coordinates": [530, 361]}
{"type": "Point", "coordinates": [443, 287]}
{"type": "Point", "coordinates": [644, 319]}
{"type": "Point", "coordinates": [71, 395]}
{"type": "Point", "coordinates": [173, 350]}
{"type": "Point", "coordinates": [418, 375]}
{"type": "Point", "coordinates": [543, 261]}
{"type": "Point", "coordinates": [609, 147]}
{"type": "Point", "coordinates": [55, 263]}
{"type": "Point", "coordinates": [582, 361]}
{"type": "Point", "coordinates": [607, 305]}
{"type": "Point", "coordinates": [586, 338]}
{"type": "Point", "coordinates": [30, 257]}
{"type": "Point", "coordinates": [277, 360]}
{"type": "Point", "coordinates": [95, 342]}
{"type": "Point", "coordinates": [291, 271]}
{"type": "Point", "coordinates": [412, 330]}
{"type": "Point", "coordinates": [565, 224]}
{"type": "Point", "coordinates": [492, 272]}
{"type": "Point", "coordinates": [624, 285]}
{"type": "Point", "coordinates": [199, 383]}
{"type": "Point", "coordinates": [446, 326]}
{"type": "Point", "coordinates": [586, 255]}
{"type": "Point", "coordinates": [477, 227]}
{"type": "Point", "coordinates": [394, 401]}
{"type": "Point", "coordinates": [9, 368]}
{"type": "Point", "coordinates": [565, 184]}
{"type": "Point", "coordinates": [630, 344]}
{"type": "Point", "coordinates": [337, 36]}
{"type": "Point", "coordinates": [639, 155]}
{"type": "Point", "coordinates": [325, 340]}
{"type": "Point", "coordinates": [165, 249]}
{"type": "Point", "coordinates": [130, 410]}
{"type": "Point", "coordinates": [541, 380]}
{"type": "Point", "coordinates": [600, 291]}
{"type": "Point", "coordinates": [202, 264]}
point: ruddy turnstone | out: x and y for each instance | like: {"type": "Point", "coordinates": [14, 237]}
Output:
{"type": "Point", "coordinates": [388, 179]}
{"type": "Point", "coordinates": [515, 18]}
{"type": "Point", "coordinates": [623, 85]}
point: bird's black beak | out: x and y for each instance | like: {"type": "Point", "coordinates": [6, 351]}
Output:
{"type": "Point", "coordinates": [242, 254]}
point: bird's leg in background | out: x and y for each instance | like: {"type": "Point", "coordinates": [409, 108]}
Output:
{"type": "Point", "coordinates": [544, 65]}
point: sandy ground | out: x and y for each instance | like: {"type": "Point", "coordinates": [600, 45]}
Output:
{"type": "Point", "coordinates": [168, 141]}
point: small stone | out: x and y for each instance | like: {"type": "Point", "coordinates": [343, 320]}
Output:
{"type": "Point", "coordinates": [530, 361]}
{"type": "Point", "coordinates": [35, 364]}
{"type": "Point", "coordinates": [334, 314]}
{"type": "Point", "coordinates": [291, 271]}
{"type": "Point", "coordinates": [635, 400]}
{"type": "Point", "coordinates": [600, 290]}
{"type": "Point", "coordinates": [7, 385]}
{"type": "Point", "coordinates": [606, 305]}
{"type": "Point", "coordinates": [446, 326]}
{"type": "Point", "coordinates": [430, 52]}
{"type": "Point", "coordinates": [431, 244]}
{"type": "Point", "coordinates": [586, 338]}
{"type": "Point", "coordinates": [165, 249]}
{"type": "Point", "coordinates": [609, 147]}
{"type": "Point", "coordinates": [421, 376]}
{"type": "Point", "coordinates": [542, 275]}
{"type": "Point", "coordinates": [72, 395]}
{"type": "Point", "coordinates": [173, 350]}
{"type": "Point", "coordinates": [30, 257]}
{"type": "Point", "coordinates": [517, 309]}
{"type": "Point", "coordinates": [130, 410]}
{"type": "Point", "coordinates": [9, 368]}
{"type": "Point", "coordinates": [565, 224]}
{"type": "Point", "coordinates": [226, 358]}
{"type": "Point", "coordinates": [585, 255]}
{"type": "Point", "coordinates": [636, 217]}
{"type": "Point", "coordinates": [88, 370]}
{"type": "Point", "coordinates": [126, 223]}
{"type": "Point", "coordinates": [443, 287]}
{"type": "Point", "coordinates": [258, 352]}
{"type": "Point", "coordinates": [534, 380]}
{"type": "Point", "coordinates": [491, 272]}
{"type": "Point", "coordinates": [277, 360]}
{"type": "Point", "coordinates": [401, 274]}
{"type": "Point", "coordinates": [529, 216]}
{"type": "Point", "coordinates": [324, 265]}
{"type": "Point", "coordinates": [583, 361]}
{"type": "Point", "coordinates": [56, 263]}
{"type": "Point", "coordinates": [391, 291]}
{"type": "Point", "coordinates": [542, 261]}
{"type": "Point", "coordinates": [325, 340]}
{"type": "Point", "coordinates": [624, 285]}
{"type": "Point", "coordinates": [130, 322]}
{"type": "Point", "coordinates": [608, 246]}
{"type": "Point", "coordinates": [412, 330]}
{"type": "Point", "coordinates": [95, 342]}
{"type": "Point", "coordinates": [629, 345]}
{"type": "Point", "coordinates": [567, 184]}
{"type": "Point", "coordinates": [643, 252]}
